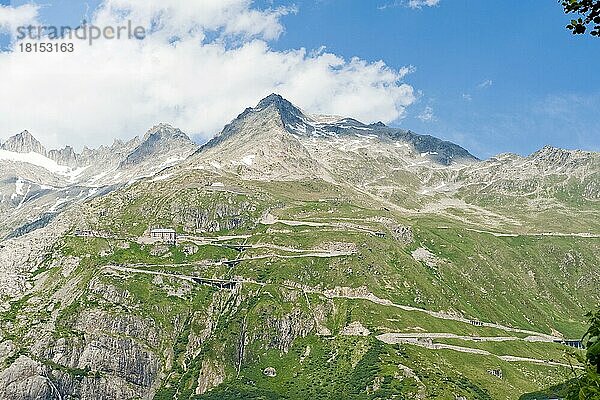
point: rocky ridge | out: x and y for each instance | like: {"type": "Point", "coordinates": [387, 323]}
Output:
{"type": "Point", "coordinates": [36, 184]}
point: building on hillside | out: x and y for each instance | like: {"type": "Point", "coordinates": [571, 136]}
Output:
{"type": "Point", "coordinates": [165, 235]}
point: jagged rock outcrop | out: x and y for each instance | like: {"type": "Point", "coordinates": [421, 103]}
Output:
{"type": "Point", "coordinates": [162, 141]}
{"type": "Point", "coordinates": [280, 332]}
{"type": "Point", "coordinates": [65, 156]}
{"type": "Point", "coordinates": [21, 256]}
{"type": "Point", "coordinates": [24, 142]}
{"type": "Point", "coordinates": [26, 379]}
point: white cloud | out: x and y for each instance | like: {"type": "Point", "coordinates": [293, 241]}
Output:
{"type": "Point", "coordinates": [191, 18]}
{"type": "Point", "coordinates": [485, 84]}
{"type": "Point", "coordinates": [200, 65]}
{"type": "Point", "coordinates": [414, 4]}
{"type": "Point", "coordinates": [467, 97]}
{"type": "Point", "coordinates": [427, 115]}
{"type": "Point", "coordinates": [13, 17]}
{"type": "Point", "coordinates": [422, 3]}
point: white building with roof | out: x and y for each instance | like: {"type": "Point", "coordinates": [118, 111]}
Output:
{"type": "Point", "coordinates": [166, 235]}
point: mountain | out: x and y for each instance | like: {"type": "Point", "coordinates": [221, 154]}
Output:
{"type": "Point", "coordinates": [259, 145]}
{"type": "Point", "coordinates": [65, 156]}
{"type": "Point", "coordinates": [551, 189]}
{"type": "Point", "coordinates": [303, 126]}
{"type": "Point", "coordinates": [316, 256]}
{"type": "Point", "coordinates": [24, 142]}
{"type": "Point", "coordinates": [36, 184]}
{"type": "Point", "coordinates": [162, 141]}
{"type": "Point", "coordinates": [276, 140]}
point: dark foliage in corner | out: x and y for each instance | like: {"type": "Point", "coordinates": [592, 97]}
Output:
{"type": "Point", "coordinates": [589, 11]}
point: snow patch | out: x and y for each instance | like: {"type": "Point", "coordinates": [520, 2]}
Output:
{"type": "Point", "coordinates": [35, 159]}
{"type": "Point", "coordinates": [249, 160]}
{"type": "Point", "coordinates": [19, 184]}
{"type": "Point", "coordinates": [171, 161]}
{"type": "Point", "coordinates": [96, 178]}
{"type": "Point", "coordinates": [326, 119]}
{"type": "Point", "coordinates": [73, 174]}
{"type": "Point", "coordinates": [161, 178]}
{"type": "Point", "coordinates": [56, 205]}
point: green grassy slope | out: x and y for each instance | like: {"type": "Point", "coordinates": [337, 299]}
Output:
{"type": "Point", "coordinates": [293, 309]}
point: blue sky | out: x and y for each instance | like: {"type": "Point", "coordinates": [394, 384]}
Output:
{"type": "Point", "coordinates": [492, 76]}
{"type": "Point", "coordinates": [526, 81]}
{"type": "Point", "coordinates": [57, 12]}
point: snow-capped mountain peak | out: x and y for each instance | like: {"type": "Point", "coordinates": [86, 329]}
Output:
{"type": "Point", "coordinates": [301, 125]}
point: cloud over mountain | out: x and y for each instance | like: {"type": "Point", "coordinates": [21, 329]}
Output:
{"type": "Point", "coordinates": [198, 65]}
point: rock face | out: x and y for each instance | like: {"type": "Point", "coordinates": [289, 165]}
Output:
{"type": "Point", "coordinates": [21, 256]}
{"type": "Point", "coordinates": [161, 142]}
{"type": "Point", "coordinates": [355, 328]}
{"type": "Point", "coordinates": [65, 156]}
{"type": "Point", "coordinates": [26, 379]}
{"type": "Point", "coordinates": [24, 142]}
{"type": "Point", "coordinates": [211, 375]}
